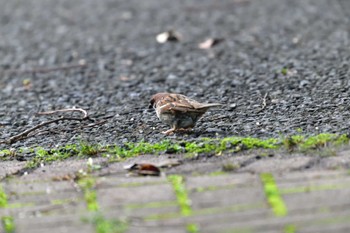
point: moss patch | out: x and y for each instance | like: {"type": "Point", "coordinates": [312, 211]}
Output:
{"type": "Point", "coordinates": [314, 142]}
{"type": "Point", "coordinates": [204, 145]}
{"type": "Point", "coordinates": [7, 154]}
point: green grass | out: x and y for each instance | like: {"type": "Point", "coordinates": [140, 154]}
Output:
{"type": "Point", "coordinates": [290, 228]}
{"type": "Point", "coordinates": [3, 198]}
{"type": "Point", "coordinates": [102, 225]}
{"type": "Point", "coordinates": [87, 149]}
{"type": "Point", "coordinates": [204, 145]}
{"type": "Point", "coordinates": [8, 224]}
{"type": "Point", "coordinates": [87, 185]}
{"type": "Point", "coordinates": [192, 228]}
{"type": "Point", "coordinates": [273, 195]}
{"type": "Point", "coordinates": [6, 221]}
{"type": "Point", "coordinates": [284, 71]}
{"type": "Point", "coordinates": [181, 194]}
{"type": "Point", "coordinates": [183, 200]}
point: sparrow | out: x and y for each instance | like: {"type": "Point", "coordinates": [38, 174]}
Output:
{"type": "Point", "coordinates": [178, 111]}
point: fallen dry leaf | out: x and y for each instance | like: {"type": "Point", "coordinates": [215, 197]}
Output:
{"type": "Point", "coordinates": [169, 36]}
{"type": "Point", "coordinates": [143, 169]}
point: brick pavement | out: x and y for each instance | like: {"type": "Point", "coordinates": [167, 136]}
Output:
{"type": "Point", "coordinates": [316, 200]}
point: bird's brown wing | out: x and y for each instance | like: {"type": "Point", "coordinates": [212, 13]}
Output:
{"type": "Point", "coordinates": [193, 104]}
{"type": "Point", "coordinates": [181, 103]}
{"type": "Point", "coordinates": [178, 107]}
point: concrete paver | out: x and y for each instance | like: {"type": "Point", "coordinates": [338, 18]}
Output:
{"type": "Point", "coordinates": [316, 199]}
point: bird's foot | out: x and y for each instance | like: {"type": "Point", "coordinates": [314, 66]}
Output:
{"type": "Point", "coordinates": [188, 130]}
{"type": "Point", "coordinates": [169, 131]}
{"type": "Point", "coordinates": [181, 130]}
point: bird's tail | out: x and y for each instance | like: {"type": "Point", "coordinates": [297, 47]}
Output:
{"type": "Point", "coordinates": [211, 105]}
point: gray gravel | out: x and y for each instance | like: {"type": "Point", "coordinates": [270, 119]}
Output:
{"type": "Point", "coordinates": [125, 65]}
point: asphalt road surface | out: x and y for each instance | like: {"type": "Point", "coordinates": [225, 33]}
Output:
{"type": "Point", "coordinates": [283, 67]}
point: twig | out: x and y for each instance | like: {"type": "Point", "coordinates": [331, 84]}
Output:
{"type": "Point", "coordinates": [25, 134]}
{"type": "Point", "coordinates": [263, 102]}
{"type": "Point", "coordinates": [85, 114]}
{"type": "Point", "coordinates": [94, 124]}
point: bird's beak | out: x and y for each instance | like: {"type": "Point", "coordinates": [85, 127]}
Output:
{"type": "Point", "coordinates": [151, 104]}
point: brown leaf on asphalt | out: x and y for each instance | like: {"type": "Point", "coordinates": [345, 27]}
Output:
{"type": "Point", "coordinates": [143, 169]}
{"type": "Point", "coordinates": [209, 43]}
{"type": "Point", "coordinates": [168, 36]}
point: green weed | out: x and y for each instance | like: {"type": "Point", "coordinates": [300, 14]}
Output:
{"type": "Point", "coordinates": [181, 194]}
{"type": "Point", "coordinates": [273, 195]}
{"type": "Point", "coordinates": [289, 228]}
{"type": "Point", "coordinates": [8, 224]}
{"type": "Point", "coordinates": [103, 225]}
{"type": "Point", "coordinates": [87, 185]}
{"type": "Point", "coordinates": [3, 198]}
